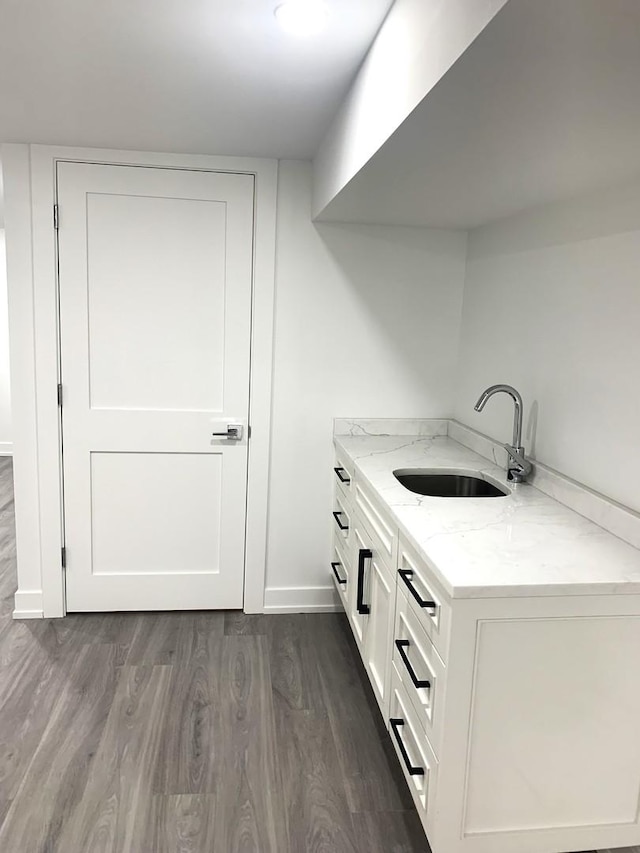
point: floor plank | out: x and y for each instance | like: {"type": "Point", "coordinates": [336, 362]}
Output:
{"type": "Point", "coordinates": [373, 779]}
{"type": "Point", "coordinates": [115, 811]}
{"type": "Point", "coordinates": [189, 758]}
{"type": "Point", "coordinates": [317, 812]}
{"type": "Point", "coordinates": [249, 819]}
{"type": "Point", "coordinates": [29, 689]}
{"type": "Point", "coordinates": [155, 639]}
{"type": "Point", "coordinates": [390, 832]}
{"type": "Point", "coordinates": [58, 772]}
{"type": "Point", "coordinates": [184, 824]}
{"type": "Point", "coordinates": [237, 622]}
{"type": "Point", "coordinates": [295, 677]}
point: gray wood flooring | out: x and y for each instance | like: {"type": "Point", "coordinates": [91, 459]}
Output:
{"type": "Point", "coordinates": [190, 733]}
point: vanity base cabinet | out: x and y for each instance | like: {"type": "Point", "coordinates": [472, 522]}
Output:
{"type": "Point", "coordinates": [516, 720]}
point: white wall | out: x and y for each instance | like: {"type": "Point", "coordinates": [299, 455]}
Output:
{"type": "Point", "coordinates": [416, 45]}
{"type": "Point", "coordinates": [5, 392]}
{"type": "Point", "coordinates": [367, 322]}
{"type": "Point", "coordinates": [552, 306]}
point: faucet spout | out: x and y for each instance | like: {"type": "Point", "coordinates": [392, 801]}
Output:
{"type": "Point", "coordinates": [517, 411]}
{"type": "Point", "coordinates": [519, 466]}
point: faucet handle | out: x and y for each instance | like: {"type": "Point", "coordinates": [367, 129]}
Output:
{"type": "Point", "coordinates": [522, 465]}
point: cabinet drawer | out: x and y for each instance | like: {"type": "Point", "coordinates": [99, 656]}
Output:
{"type": "Point", "coordinates": [379, 525]}
{"type": "Point", "coordinates": [343, 472]}
{"type": "Point", "coordinates": [428, 603]}
{"type": "Point", "coordinates": [342, 520]}
{"type": "Point", "coordinates": [340, 572]}
{"type": "Point", "coordinates": [420, 669]}
{"type": "Point", "coordinates": [416, 757]}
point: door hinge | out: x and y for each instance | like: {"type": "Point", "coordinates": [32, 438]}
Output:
{"type": "Point", "coordinates": [249, 431]}
{"type": "Point", "coordinates": [56, 217]}
{"type": "Point", "coordinates": [60, 394]}
{"type": "Point", "coordinates": [63, 557]}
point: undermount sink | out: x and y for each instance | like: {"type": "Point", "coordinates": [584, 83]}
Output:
{"type": "Point", "coordinates": [447, 485]}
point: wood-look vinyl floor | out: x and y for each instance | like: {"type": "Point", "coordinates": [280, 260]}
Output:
{"type": "Point", "coordinates": [190, 733]}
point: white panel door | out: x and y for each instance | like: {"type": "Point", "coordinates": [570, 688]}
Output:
{"type": "Point", "coordinates": [155, 269]}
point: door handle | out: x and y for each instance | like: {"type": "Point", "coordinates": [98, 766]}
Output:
{"type": "Point", "coordinates": [334, 566]}
{"type": "Point", "coordinates": [396, 724]}
{"type": "Point", "coordinates": [234, 433]}
{"type": "Point", "coordinates": [406, 575]}
{"type": "Point", "coordinates": [401, 645]}
{"type": "Point", "coordinates": [337, 515]}
{"type": "Point", "coordinates": [364, 554]}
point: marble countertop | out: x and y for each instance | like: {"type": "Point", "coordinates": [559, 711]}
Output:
{"type": "Point", "coordinates": [523, 544]}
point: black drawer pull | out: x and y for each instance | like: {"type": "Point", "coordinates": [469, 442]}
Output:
{"type": "Point", "coordinates": [395, 727]}
{"type": "Point", "coordinates": [406, 575]}
{"type": "Point", "coordinates": [364, 554]}
{"type": "Point", "coordinates": [342, 526]}
{"type": "Point", "coordinates": [339, 473]}
{"type": "Point", "coordinates": [401, 645]}
{"type": "Point", "coordinates": [334, 566]}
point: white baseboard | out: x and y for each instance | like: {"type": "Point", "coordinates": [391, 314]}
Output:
{"type": "Point", "coordinates": [301, 599]}
{"type": "Point", "coordinates": [6, 448]}
{"type": "Point", "coordinates": [28, 604]}
{"type": "Point", "coordinates": [307, 599]}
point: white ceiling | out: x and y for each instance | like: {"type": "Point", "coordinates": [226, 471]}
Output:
{"type": "Point", "coordinates": [191, 76]}
{"type": "Point", "coordinates": [543, 106]}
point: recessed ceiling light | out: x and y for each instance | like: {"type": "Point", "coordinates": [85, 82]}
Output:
{"type": "Point", "coordinates": [302, 17]}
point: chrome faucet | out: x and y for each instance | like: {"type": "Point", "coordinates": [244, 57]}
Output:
{"type": "Point", "coordinates": [519, 466]}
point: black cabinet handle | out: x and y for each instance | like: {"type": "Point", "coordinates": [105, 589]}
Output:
{"type": "Point", "coordinates": [342, 526]}
{"type": "Point", "coordinates": [334, 566]}
{"type": "Point", "coordinates": [339, 472]}
{"type": "Point", "coordinates": [406, 575]}
{"type": "Point", "coordinates": [363, 555]}
{"type": "Point", "coordinates": [395, 727]}
{"type": "Point", "coordinates": [401, 645]}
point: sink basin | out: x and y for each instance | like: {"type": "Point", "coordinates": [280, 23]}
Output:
{"type": "Point", "coordinates": [442, 484]}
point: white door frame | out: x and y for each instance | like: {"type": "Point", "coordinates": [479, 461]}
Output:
{"type": "Point", "coordinates": [30, 195]}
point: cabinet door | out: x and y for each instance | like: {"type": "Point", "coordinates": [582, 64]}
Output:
{"type": "Point", "coordinates": [379, 634]}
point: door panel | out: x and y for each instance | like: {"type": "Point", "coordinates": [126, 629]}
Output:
{"type": "Point", "coordinates": [155, 319]}
{"type": "Point", "coordinates": [166, 518]}
{"type": "Point", "coordinates": [170, 352]}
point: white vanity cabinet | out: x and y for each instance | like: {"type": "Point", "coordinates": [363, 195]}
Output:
{"type": "Point", "coordinates": [514, 717]}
